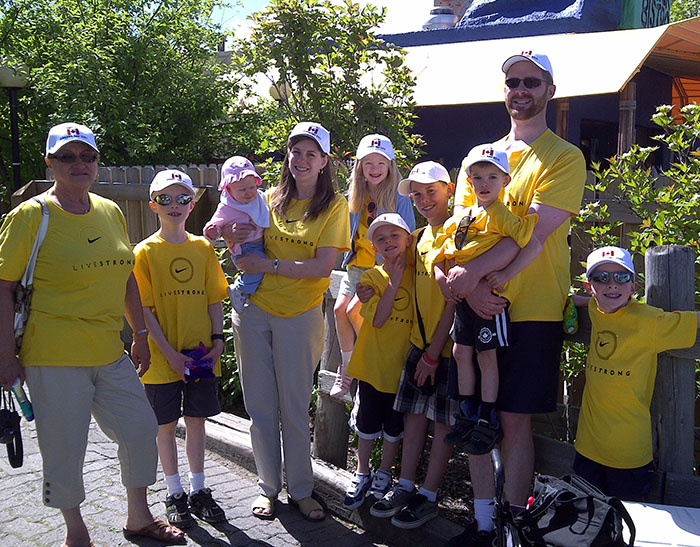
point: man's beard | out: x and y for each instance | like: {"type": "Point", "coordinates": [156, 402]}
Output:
{"type": "Point", "coordinates": [537, 105]}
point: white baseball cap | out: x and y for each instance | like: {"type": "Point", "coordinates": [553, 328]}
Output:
{"type": "Point", "coordinates": [375, 143]}
{"type": "Point", "coordinates": [166, 178]}
{"type": "Point", "coordinates": [69, 132]}
{"type": "Point", "coordinates": [609, 255]}
{"type": "Point", "coordinates": [387, 219]}
{"type": "Point", "coordinates": [314, 131]}
{"type": "Point", "coordinates": [235, 169]}
{"type": "Point", "coordinates": [424, 173]}
{"type": "Point", "coordinates": [538, 59]}
{"type": "Point", "coordinates": [490, 154]}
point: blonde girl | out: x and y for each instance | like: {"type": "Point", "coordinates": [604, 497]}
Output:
{"type": "Point", "coordinates": [373, 191]}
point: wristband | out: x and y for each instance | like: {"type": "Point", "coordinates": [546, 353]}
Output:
{"type": "Point", "coordinates": [429, 362]}
{"type": "Point", "coordinates": [141, 331]}
{"type": "Point", "coordinates": [217, 337]}
{"type": "Point", "coordinates": [275, 265]}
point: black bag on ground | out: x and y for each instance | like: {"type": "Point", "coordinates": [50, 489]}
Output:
{"type": "Point", "coordinates": [571, 512]}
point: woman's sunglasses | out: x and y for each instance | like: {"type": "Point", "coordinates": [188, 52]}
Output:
{"type": "Point", "coordinates": [462, 231]}
{"type": "Point", "coordinates": [85, 157]}
{"type": "Point", "coordinates": [619, 277]}
{"type": "Point", "coordinates": [165, 199]}
{"type": "Point", "coordinates": [530, 83]}
{"type": "Point", "coordinates": [371, 210]}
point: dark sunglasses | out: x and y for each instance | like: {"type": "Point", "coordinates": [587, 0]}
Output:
{"type": "Point", "coordinates": [85, 157]}
{"type": "Point", "coordinates": [619, 277]}
{"type": "Point", "coordinates": [530, 83]}
{"type": "Point", "coordinates": [165, 199]}
{"type": "Point", "coordinates": [462, 231]}
{"type": "Point", "coordinates": [371, 209]}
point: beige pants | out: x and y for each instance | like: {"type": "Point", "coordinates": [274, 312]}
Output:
{"type": "Point", "coordinates": [64, 398]}
{"type": "Point", "coordinates": [277, 357]}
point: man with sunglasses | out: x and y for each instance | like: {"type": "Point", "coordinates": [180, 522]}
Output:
{"type": "Point", "coordinates": [548, 177]}
{"type": "Point", "coordinates": [613, 441]}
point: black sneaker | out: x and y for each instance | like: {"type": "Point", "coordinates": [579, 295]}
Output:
{"type": "Point", "coordinates": [176, 511]}
{"type": "Point", "coordinates": [484, 437]}
{"type": "Point", "coordinates": [461, 431]}
{"type": "Point", "coordinates": [471, 538]}
{"type": "Point", "coordinates": [417, 512]}
{"type": "Point", "coordinates": [203, 506]}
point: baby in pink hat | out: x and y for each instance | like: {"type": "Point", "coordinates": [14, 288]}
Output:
{"type": "Point", "coordinates": [241, 202]}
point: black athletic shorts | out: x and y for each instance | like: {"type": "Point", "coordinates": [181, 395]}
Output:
{"type": "Point", "coordinates": [198, 399]}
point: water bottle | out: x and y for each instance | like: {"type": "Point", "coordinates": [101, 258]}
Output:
{"type": "Point", "coordinates": [24, 403]}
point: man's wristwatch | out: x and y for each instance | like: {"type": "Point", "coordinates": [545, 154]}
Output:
{"type": "Point", "coordinates": [275, 265]}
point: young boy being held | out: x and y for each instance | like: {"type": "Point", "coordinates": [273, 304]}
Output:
{"type": "Point", "coordinates": [241, 202]}
{"type": "Point", "coordinates": [613, 441]}
{"type": "Point", "coordinates": [181, 285]}
{"type": "Point", "coordinates": [475, 231]}
{"type": "Point", "coordinates": [379, 355]}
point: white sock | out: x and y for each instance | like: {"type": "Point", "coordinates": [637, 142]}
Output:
{"type": "Point", "coordinates": [406, 484]}
{"type": "Point", "coordinates": [432, 496]}
{"type": "Point", "coordinates": [196, 482]}
{"type": "Point", "coordinates": [483, 514]}
{"type": "Point", "coordinates": [345, 357]}
{"type": "Point", "coordinates": [174, 484]}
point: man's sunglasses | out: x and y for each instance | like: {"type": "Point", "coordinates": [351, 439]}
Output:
{"type": "Point", "coordinates": [619, 277]}
{"type": "Point", "coordinates": [85, 157]}
{"type": "Point", "coordinates": [530, 83]}
{"type": "Point", "coordinates": [165, 199]}
{"type": "Point", "coordinates": [462, 231]}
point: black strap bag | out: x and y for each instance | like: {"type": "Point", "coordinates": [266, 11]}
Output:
{"type": "Point", "coordinates": [571, 512]}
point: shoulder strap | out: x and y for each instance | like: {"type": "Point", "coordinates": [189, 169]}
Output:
{"type": "Point", "coordinates": [40, 235]}
{"type": "Point", "coordinates": [415, 292]}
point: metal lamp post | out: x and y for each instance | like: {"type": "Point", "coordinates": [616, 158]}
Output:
{"type": "Point", "coordinates": [13, 76]}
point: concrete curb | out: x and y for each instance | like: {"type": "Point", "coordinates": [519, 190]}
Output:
{"type": "Point", "coordinates": [228, 435]}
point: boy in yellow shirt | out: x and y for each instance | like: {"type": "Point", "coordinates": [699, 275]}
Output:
{"type": "Point", "coordinates": [379, 356]}
{"type": "Point", "coordinates": [181, 285]}
{"type": "Point", "coordinates": [613, 441]}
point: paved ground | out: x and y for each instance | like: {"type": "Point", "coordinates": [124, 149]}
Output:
{"type": "Point", "coordinates": [26, 521]}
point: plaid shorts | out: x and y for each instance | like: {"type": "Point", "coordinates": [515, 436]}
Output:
{"type": "Point", "coordinates": [437, 407]}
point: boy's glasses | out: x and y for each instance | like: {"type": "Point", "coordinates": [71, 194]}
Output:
{"type": "Point", "coordinates": [462, 231]}
{"type": "Point", "coordinates": [165, 199]}
{"type": "Point", "coordinates": [85, 157]}
{"type": "Point", "coordinates": [371, 210]}
{"type": "Point", "coordinates": [530, 83]}
{"type": "Point", "coordinates": [619, 277]}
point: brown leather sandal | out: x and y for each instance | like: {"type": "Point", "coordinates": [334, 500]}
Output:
{"type": "Point", "coordinates": [160, 531]}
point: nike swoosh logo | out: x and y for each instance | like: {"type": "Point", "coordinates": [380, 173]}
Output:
{"type": "Point", "coordinates": [180, 271]}
{"type": "Point", "coordinates": [601, 344]}
{"type": "Point", "coordinates": [93, 240]}
{"type": "Point", "coordinates": [399, 298]}
{"type": "Point", "coordinates": [291, 221]}
{"type": "Point", "coordinates": [423, 253]}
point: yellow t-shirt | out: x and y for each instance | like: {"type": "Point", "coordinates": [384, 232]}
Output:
{"type": "Point", "coordinates": [550, 172]}
{"type": "Point", "coordinates": [380, 354]}
{"type": "Point", "coordinates": [80, 279]}
{"type": "Point", "coordinates": [364, 252]}
{"type": "Point", "coordinates": [291, 238]}
{"type": "Point", "coordinates": [431, 303]}
{"type": "Point", "coordinates": [614, 426]}
{"type": "Point", "coordinates": [178, 282]}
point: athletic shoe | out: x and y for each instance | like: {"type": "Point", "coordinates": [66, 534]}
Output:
{"type": "Point", "coordinates": [484, 437]}
{"type": "Point", "coordinates": [342, 383]}
{"type": "Point", "coordinates": [471, 538]}
{"type": "Point", "coordinates": [392, 502]}
{"type": "Point", "coordinates": [203, 505]}
{"type": "Point", "coordinates": [417, 512]}
{"type": "Point", "coordinates": [238, 299]}
{"type": "Point", "coordinates": [357, 492]}
{"type": "Point", "coordinates": [461, 431]}
{"type": "Point", "coordinates": [380, 485]}
{"type": "Point", "coordinates": [176, 511]}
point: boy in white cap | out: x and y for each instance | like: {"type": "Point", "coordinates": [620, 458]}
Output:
{"type": "Point", "coordinates": [613, 440]}
{"type": "Point", "coordinates": [474, 230]}
{"type": "Point", "coordinates": [379, 356]}
{"type": "Point", "coordinates": [241, 202]}
{"type": "Point", "coordinates": [181, 285]}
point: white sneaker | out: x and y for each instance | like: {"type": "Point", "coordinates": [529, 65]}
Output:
{"type": "Point", "coordinates": [238, 299]}
{"type": "Point", "coordinates": [381, 483]}
{"type": "Point", "coordinates": [357, 491]}
{"type": "Point", "coordinates": [342, 383]}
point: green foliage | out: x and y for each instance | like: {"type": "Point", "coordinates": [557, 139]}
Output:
{"type": "Point", "coordinates": [327, 65]}
{"type": "Point", "coordinates": [684, 9]}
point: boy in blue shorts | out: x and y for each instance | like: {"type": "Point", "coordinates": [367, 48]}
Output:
{"type": "Point", "coordinates": [379, 355]}
{"type": "Point", "coordinates": [613, 441]}
{"type": "Point", "coordinates": [181, 285]}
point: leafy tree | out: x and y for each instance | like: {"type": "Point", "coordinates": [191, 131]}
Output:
{"type": "Point", "coordinates": [142, 74]}
{"type": "Point", "coordinates": [684, 9]}
{"type": "Point", "coordinates": [328, 65]}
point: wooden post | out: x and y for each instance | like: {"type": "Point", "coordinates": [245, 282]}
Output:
{"type": "Point", "coordinates": [563, 118]}
{"type": "Point", "coordinates": [628, 113]}
{"type": "Point", "coordinates": [331, 429]}
{"type": "Point", "coordinates": [670, 282]}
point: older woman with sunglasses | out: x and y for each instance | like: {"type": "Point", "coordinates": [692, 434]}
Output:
{"type": "Point", "coordinates": [279, 334]}
{"type": "Point", "coordinates": [72, 356]}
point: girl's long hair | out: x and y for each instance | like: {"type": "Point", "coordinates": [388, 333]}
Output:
{"type": "Point", "coordinates": [283, 193]}
{"type": "Point", "coordinates": [386, 190]}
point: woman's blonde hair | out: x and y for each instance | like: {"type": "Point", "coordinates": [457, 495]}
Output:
{"type": "Point", "coordinates": [386, 190]}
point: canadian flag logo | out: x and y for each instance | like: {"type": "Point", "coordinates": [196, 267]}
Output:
{"type": "Point", "coordinates": [376, 143]}
{"type": "Point", "coordinates": [487, 152]}
{"type": "Point", "coordinates": [526, 53]}
{"type": "Point", "coordinates": [313, 129]}
{"type": "Point", "coordinates": [73, 132]}
{"type": "Point", "coordinates": [608, 253]}
{"type": "Point", "coordinates": [416, 170]}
